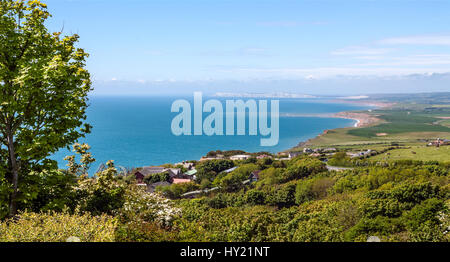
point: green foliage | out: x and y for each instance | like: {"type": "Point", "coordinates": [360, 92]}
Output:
{"type": "Point", "coordinates": [105, 194]}
{"type": "Point", "coordinates": [255, 197]}
{"type": "Point", "coordinates": [271, 176]}
{"type": "Point", "coordinates": [378, 226]}
{"type": "Point", "coordinates": [303, 167]}
{"type": "Point", "coordinates": [282, 196]}
{"type": "Point", "coordinates": [425, 213]}
{"type": "Point", "coordinates": [233, 181]}
{"type": "Point", "coordinates": [154, 178]}
{"type": "Point", "coordinates": [210, 168]}
{"type": "Point", "coordinates": [340, 159]}
{"type": "Point", "coordinates": [45, 90]}
{"type": "Point", "coordinates": [176, 190]}
{"type": "Point", "coordinates": [311, 189]}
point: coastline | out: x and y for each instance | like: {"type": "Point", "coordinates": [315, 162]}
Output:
{"type": "Point", "coordinates": [362, 119]}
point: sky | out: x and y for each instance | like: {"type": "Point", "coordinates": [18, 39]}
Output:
{"type": "Point", "coordinates": [313, 47]}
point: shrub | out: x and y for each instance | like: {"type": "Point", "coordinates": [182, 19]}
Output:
{"type": "Point", "coordinates": [282, 196]}
{"type": "Point", "coordinates": [255, 197]}
{"type": "Point", "coordinates": [303, 167]}
{"type": "Point", "coordinates": [154, 178]}
{"type": "Point", "coordinates": [103, 194]}
{"type": "Point", "coordinates": [381, 207]}
{"type": "Point", "coordinates": [378, 226]}
{"type": "Point", "coordinates": [210, 168]}
{"type": "Point", "coordinates": [340, 159]}
{"type": "Point", "coordinates": [233, 181]}
{"type": "Point", "coordinates": [426, 212]}
{"type": "Point", "coordinates": [311, 189]}
{"type": "Point", "coordinates": [57, 227]}
{"type": "Point", "coordinates": [176, 190]}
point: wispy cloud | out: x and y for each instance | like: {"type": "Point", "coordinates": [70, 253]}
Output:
{"type": "Point", "coordinates": [326, 72]}
{"type": "Point", "coordinates": [414, 60]}
{"type": "Point", "coordinates": [362, 51]}
{"type": "Point", "coordinates": [417, 40]}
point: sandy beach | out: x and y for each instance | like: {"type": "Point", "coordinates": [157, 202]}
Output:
{"type": "Point", "coordinates": [362, 119]}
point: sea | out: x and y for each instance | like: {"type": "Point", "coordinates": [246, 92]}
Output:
{"type": "Point", "coordinates": [136, 131]}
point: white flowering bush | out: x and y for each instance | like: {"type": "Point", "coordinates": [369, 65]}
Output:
{"type": "Point", "coordinates": [143, 206]}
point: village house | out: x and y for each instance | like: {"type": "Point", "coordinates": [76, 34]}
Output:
{"type": "Point", "coordinates": [307, 150]}
{"type": "Point", "coordinates": [145, 171]}
{"type": "Point", "coordinates": [263, 156]}
{"type": "Point", "coordinates": [294, 154]}
{"type": "Point", "coordinates": [254, 176]}
{"type": "Point", "coordinates": [180, 180]}
{"type": "Point", "coordinates": [240, 157]}
{"type": "Point", "coordinates": [361, 154]}
{"type": "Point", "coordinates": [439, 142]}
{"type": "Point", "coordinates": [191, 174]}
{"type": "Point", "coordinates": [174, 172]}
{"type": "Point", "coordinates": [187, 165]}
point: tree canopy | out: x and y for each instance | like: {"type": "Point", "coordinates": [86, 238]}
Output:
{"type": "Point", "coordinates": [44, 87]}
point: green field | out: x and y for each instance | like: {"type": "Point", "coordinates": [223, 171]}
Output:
{"type": "Point", "coordinates": [421, 153]}
{"type": "Point", "coordinates": [405, 124]}
{"type": "Point", "coordinates": [445, 123]}
{"type": "Point", "coordinates": [396, 122]}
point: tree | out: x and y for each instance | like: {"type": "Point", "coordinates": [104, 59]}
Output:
{"type": "Point", "coordinates": [44, 88]}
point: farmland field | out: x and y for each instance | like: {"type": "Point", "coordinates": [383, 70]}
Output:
{"type": "Point", "coordinates": [417, 153]}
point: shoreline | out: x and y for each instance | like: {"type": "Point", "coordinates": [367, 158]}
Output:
{"type": "Point", "coordinates": [362, 119]}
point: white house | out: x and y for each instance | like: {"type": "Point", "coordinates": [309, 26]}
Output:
{"type": "Point", "coordinates": [240, 157]}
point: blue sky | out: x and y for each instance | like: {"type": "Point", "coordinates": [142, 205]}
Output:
{"type": "Point", "coordinates": [156, 46]}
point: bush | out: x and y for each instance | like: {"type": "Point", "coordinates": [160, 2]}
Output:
{"type": "Point", "coordinates": [255, 197]}
{"type": "Point", "coordinates": [176, 190]}
{"type": "Point", "coordinates": [233, 181]}
{"type": "Point", "coordinates": [426, 212]}
{"type": "Point", "coordinates": [154, 178]}
{"type": "Point", "coordinates": [57, 227]}
{"type": "Point", "coordinates": [381, 207]}
{"type": "Point", "coordinates": [340, 159]}
{"type": "Point", "coordinates": [210, 168]}
{"type": "Point", "coordinates": [312, 189]}
{"type": "Point", "coordinates": [282, 196]}
{"type": "Point", "coordinates": [379, 226]}
{"type": "Point", "coordinates": [103, 194]}
{"type": "Point", "coordinates": [303, 167]}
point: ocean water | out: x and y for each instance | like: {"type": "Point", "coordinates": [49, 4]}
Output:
{"type": "Point", "coordinates": [136, 131]}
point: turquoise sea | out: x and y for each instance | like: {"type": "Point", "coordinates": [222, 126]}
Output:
{"type": "Point", "coordinates": [136, 131]}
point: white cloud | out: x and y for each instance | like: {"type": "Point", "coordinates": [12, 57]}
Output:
{"type": "Point", "coordinates": [361, 50]}
{"type": "Point", "coordinates": [325, 72]}
{"type": "Point", "coordinates": [417, 40]}
{"type": "Point", "coordinates": [414, 60]}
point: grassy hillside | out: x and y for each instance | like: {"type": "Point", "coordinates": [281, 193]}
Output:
{"type": "Point", "coordinates": [417, 153]}
{"type": "Point", "coordinates": [397, 122]}
{"type": "Point", "coordinates": [407, 123]}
